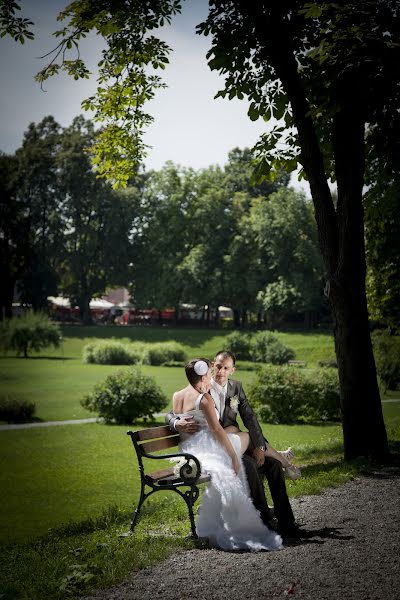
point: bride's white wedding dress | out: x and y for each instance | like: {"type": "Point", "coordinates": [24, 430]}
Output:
{"type": "Point", "coordinates": [227, 516]}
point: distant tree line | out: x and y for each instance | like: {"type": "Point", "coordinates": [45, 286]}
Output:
{"type": "Point", "coordinates": [209, 237]}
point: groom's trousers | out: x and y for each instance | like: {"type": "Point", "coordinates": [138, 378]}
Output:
{"type": "Point", "coordinates": [272, 470]}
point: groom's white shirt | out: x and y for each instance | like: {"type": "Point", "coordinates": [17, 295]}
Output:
{"type": "Point", "coordinates": [218, 393]}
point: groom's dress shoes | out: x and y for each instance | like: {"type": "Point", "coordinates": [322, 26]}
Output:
{"type": "Point", "coordinates": [292, 531]}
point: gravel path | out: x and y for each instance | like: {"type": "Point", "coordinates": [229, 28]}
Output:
{"type": "Point", "coordinates": [353, 553]}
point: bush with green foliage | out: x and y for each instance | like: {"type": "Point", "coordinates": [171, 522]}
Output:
{"type": "Point", "coordinates": [387, 358]}
{"type": "Point", "coordinates": [15, 409]}
{"type": "Point", "coordinates": [239, 343]}
{"type": "Point", "coordinates": [267, 348]}
{"type": "Point", "coordinates": [29, 332]}
{"type": "Point", "coordinates": [286, 395]}
{"type": "Point", "coordinates": [107, 352]}
{"type": "Point", "coordinates": [125, 396]}
{"type": "Point", "coordinates": [263, 346]}
{"type": "Point", "coordinates": [112, 353]}
{"type": "Point", "coordinates": [164, 352]}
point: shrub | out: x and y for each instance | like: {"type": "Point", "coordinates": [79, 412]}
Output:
{"type": "Point", "coordinates": [14, 409]}
{"type": "Point", "coordinates": [285, 395]}
{"type": "Point", "coordinates": [125, 396]}
{"type": "Point", "coordinates": [29, 332]}
{"type": "Point", "coordinates": [239, 343]}
{"type": "Point", "coordinates": [111, 353]}
{"type": "Point", "coordinates": [387, 358]}
{"type": "Point", "coordinates": [265, 347]}
{"type": "Point", "coordinates": [165, 352]}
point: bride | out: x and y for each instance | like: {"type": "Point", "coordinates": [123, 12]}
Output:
{"type": "Point", "coordinates": [227, 516]}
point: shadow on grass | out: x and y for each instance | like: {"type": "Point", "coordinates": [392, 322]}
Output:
{"type": "Point", "coordinates": [322, 467]}
{"type": "Point", "coordinates": [334, 447]}
{"type": "Point", "coordinates": [29, 358]}
{"type": "Point", "coordinates": [110, 517]}
{"type": "Point", "coordinates": [51, 358]}
{"type": "Point", "coordinates": [188, 336]}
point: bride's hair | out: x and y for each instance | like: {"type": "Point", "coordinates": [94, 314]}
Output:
{"type": "Point", "coordinates": [190, 369]}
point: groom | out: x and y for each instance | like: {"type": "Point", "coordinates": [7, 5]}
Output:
{"type": "Point", "coordinates": [230, 398]}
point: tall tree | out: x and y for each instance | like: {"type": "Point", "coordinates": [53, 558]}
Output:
{"type": "Point", "coordinates": [239, 175]}
{"type": "Point", "coordinates": [382, 203]}
{"type": "Point", "coordinates": [12, 219]}
{"type": "Point", "coordinates": [290, 262]}
{"type": "Point", "coordinates": [325, 73]}
{"type": "Point", "coordinates": [160, 238]}
{"type": "Point", "coordinates": [39, 195]}
{"type": "Point", "coordinates": [97, 223]}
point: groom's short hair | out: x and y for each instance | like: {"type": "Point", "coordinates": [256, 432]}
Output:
{"type": "Point", "coordinates": [227, 354]}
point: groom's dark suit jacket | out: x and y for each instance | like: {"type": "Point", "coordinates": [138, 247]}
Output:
{"type": "Point", "coordinates": [249, 419]}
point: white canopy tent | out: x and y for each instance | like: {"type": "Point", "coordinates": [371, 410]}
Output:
{"type": "Point", "coordinates": [95, 303]}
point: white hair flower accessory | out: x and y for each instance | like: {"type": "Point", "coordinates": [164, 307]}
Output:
{"type": "Point", "coordinates": [200, 367]}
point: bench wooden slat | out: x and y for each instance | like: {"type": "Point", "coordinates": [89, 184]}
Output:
{"type": "Point", "coordinates": [160, 444]}
{"type": "Point", "coordinates": [160, 474]}
{"type": "Point", "coordinates": [168, 476]}
{"type": "Point", "coordinates": [155, 432]}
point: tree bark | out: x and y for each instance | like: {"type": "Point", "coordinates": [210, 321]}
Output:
{"type": "Point", "coordinates": [84, 309]}
{"type": "Point", "coordinates": [363, 426]}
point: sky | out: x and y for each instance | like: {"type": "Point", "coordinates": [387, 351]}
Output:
{"type": "Point", "coordinates": [190, 127]}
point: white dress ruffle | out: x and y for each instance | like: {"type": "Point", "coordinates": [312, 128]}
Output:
{"type": "Point", "coordinates": [227, 516]}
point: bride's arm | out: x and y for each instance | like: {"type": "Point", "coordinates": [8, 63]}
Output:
{"type": "Point", "coordinates": [208, 408]}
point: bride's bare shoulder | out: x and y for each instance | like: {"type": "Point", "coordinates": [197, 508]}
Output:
{"type": "Point", "coordinates": [180, 396]}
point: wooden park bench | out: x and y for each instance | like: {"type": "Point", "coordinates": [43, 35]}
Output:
{"type": "Point", "coordinates": [184, 483]}
{"type": "Point", "coordinates": [297, 363]}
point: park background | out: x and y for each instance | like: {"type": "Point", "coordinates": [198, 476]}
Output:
{"type": "Point", "coordinates": [198, 233]}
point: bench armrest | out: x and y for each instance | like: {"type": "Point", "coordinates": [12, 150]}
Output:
{"type": "Point", "coordinates": [188, 473]}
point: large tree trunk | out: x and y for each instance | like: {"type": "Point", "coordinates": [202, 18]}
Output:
{"type": "Point", "coordinates": [6, 297]}
{"type": "Point", "coordinates": [363, 426]}
{"type": "Point", "coordinates": [342, 245]}
{"type": "Point", "coordinates": [84, 309]}
{"type": "Point", "coordinates": [236, 317]}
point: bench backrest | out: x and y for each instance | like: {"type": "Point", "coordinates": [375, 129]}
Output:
{"type": "Point", "coordinates": [150, 440]}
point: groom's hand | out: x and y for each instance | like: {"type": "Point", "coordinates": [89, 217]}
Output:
{"type": "Point", "coordinates": [259, 456]}
{"type": "Point", "coordinates": [186, 425]}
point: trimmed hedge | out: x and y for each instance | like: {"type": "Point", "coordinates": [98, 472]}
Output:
{"type": "Point", "coordinates": [387, 358]}
{"type": "Point", "coordinates": [240, 344]}
{"type": "Point", "coordinates": [262, 346]}
{"type": "Point", "coordinates": [125, 396]}
{"type": "Point", "coordinates": [164, 352]}
{"type": "Point", "coordinates": [117, 353]}
{"type": "Point", "coordinates": [15, 409]}
{"type": "Point", "coordinates": [111, 353]}
{"type": "Point", "coordinates": [286, 395]}
{"type": "Point", "coordinates": [267, 348]}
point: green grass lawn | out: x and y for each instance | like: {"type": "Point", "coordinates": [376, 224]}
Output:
{"type": "Point", "coordinates": [57, 379]}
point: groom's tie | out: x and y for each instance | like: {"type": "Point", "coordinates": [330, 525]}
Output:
{"type": "Point", "coordinates": [221, 403]}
